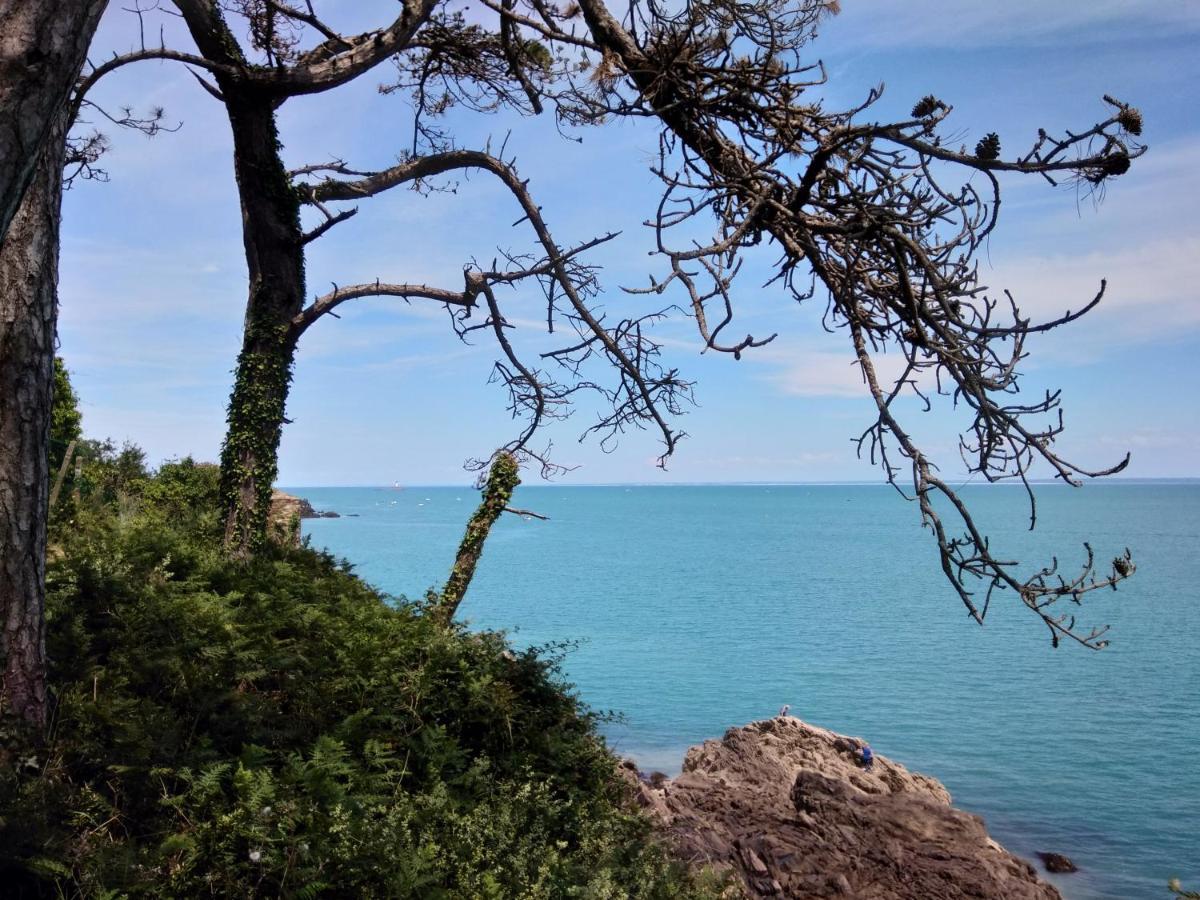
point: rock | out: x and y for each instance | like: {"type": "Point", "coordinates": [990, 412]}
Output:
{"type": "Point", "coordinates": [1056, 862]}
{"type": "Point", "coordinates": [785, 807]}
{"type": "Point", "coordinates": [841, 884]}
{"type": "Point", "coordinates": [283, 521]}
{"type": "Point", "coordinates": [286, 504]}
{"type": "Point", "coordinates": [753, 863]}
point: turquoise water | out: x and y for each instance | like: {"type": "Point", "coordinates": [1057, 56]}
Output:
{"type": "Point", "coordinates": [704, 607]}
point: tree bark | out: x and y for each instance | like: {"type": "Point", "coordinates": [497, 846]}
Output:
{"type": "Point", "coordinates": [275, 260]}
{"type": "Point", "coordinates": [42, 48]}
{"type": "Point", "coordinates": [28, 309]}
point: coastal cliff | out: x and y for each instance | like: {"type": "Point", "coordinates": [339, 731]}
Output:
{"type": "Point", "coordinates": [285, 515]}
{"type": "Point", "coordinates": [788, 809]}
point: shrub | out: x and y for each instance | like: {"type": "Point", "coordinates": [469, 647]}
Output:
{"type": "Point", "coordinates": [65, 419]}
{"type": "Point", "coordinates": [279, 728]}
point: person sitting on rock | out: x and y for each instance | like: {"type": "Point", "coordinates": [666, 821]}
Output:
{"type": "Point", "coordinates": [784, 710]}
{"type": "Point", "coordinates": [866, 756]}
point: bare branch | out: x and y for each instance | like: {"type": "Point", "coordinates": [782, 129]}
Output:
{"type": "Point", "coordinates": [339, 295]}
{"type": "Point", "coordinates": [643, 387]}
{"type": "Point", "coordinates": [89, 81]}
{"type": "Point", "coordinates": [886, 218]}
{"type": "Point", "coordinates": [337, 61]}
{"type": "Point", "coordinates": [526, 514]}
{"type": "Point", "coordinates": [331, 219]}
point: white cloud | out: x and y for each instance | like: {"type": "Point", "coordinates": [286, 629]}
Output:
{"type": "Point", "coordinates": [1144, 239]}
{"type": "Point", "coordinates": [408, 362]}
{"type": "Point", "coordinates": [803, 371]}
{"type": "Point", "coordinates": [1152, 288]}
{"type": "Point", "coordinates": [1151, 439]}
{"type": "Point", "coordinates": [1153, 293]}
{"type": "Point", "coordinates": [974, 23]}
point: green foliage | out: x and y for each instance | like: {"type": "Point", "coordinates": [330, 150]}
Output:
{"type": "Point", "coordinates": [110, 472]}
{"type": "Point", "coordinates": [66, 420]}
{"type": "Point", "coordinates": [537, 54]}
{"type": "Point", "coordinates": [278, 728]}
{"type": "Point", "coordinates": [110, 482]}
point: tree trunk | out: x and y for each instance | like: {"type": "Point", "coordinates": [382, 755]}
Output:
{"type": "Point", "coordinates": [275, 260]}
{"type": "Point", "coordinates": [502, 480]}
{"type": "Point", "coordinates": [28, 308]}
{"type": "Point", "coordinates": [42, 49]}
{"type": "Point", "coordinates": [274, 246]}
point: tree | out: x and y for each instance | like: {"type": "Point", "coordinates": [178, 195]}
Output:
{"type": "Point", "coordinates": [28, 300]}
{"type": "Point", "coordinates": [42, 49]}
{"type": "Point", "coordinates": [272, 232]}
{"type": "Point", "coordinates": [502, 479]}
{"type": "Point", "coordinates": [66, 422]}
{"type": "Point", "coordinates": [883, 219]}
{"type": "Point", "coordinates": [479, 68]}
{"type": "Point", "coordinates": [860, 216]}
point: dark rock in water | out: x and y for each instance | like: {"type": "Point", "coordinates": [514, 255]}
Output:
{"type": "Point", "coordinates": [325, 514]}
{"type": "Point", "coordinates": [785, 807]}
{"type": "Point", "coordinates": [1056, 862]}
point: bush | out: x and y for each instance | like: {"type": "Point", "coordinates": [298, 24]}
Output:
{"type": "Point", "coordinates": [65, 419]}
{"type": "Point", "coordinates": [278, 728]}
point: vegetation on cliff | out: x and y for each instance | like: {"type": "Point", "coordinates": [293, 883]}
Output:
{"type": "Point", "coordinates": [276, 727]}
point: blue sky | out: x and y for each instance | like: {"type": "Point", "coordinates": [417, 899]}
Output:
{"type": "Point", "coordinates": [153, 278]}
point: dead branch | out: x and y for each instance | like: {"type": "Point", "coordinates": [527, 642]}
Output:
{"type": "Point", "coordinates": [886, 218]}
{"type": "Point", "coordinates": [528, 514]}
{"type": "Point", "coordinates": [645, 393]}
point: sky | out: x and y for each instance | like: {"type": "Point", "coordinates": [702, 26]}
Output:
{"type": "Point", "coordinates": [153, 278]}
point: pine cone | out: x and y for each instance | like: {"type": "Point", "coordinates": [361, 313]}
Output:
{"type": "Point", "coordinates": [1117, 164]}
{"type": "Point", "coordinates": [927, 106]}
{"type": "Point", "coordinates": [988, 147]}
{"type": "Point", "coordinates": [1130, 119]}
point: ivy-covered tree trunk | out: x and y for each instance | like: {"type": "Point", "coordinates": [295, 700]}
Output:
{"type": "Point", "coordinates": [28, 308]}
{"type": "Point", "coordinates": [275, 259]}
{"type": "Point", "coordinates": [502, 480]}
{"type": "Point", "coordinates": [275, 262]}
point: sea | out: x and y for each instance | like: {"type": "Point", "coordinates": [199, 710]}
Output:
{"type": "Point", "coordinates": [686, 610]}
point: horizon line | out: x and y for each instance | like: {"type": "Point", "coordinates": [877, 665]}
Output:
{"type": "Point", "coordinates": [1156, 479]}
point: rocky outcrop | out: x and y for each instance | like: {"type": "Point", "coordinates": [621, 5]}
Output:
{"type": "Point", "coordinates": [283, 522]}
{"type": "Point", "coordinates": [789, 809]}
